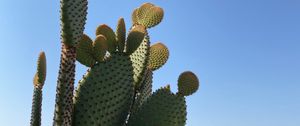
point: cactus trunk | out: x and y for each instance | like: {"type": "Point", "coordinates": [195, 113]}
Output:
{"type": "Point", "coordinates": [65, 87]}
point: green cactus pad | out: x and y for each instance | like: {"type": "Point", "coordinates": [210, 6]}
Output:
{"type": "Point", "coordinates": [99, 48]}
{"type": "Point", "coordinates": [163, 108]}
{"type": "Point", "coordinates": [143, 10]}
{"type": "Point", "coordinates": [148, 15]}
{"type": "Point", "coordinates": [135, 38]}
{"type": "Point", "coordinates": [139, 59]}
{"type": "Point", "coordinates": [158, 56]}
{"type": "Point", "coordinates": [110, 36]}
{"type": "Point", "coordinates": [40, 75]}
{"type": "Point", "coordinates": [121, 34]}
{"type": "Point", "coordinates": [73, 17]}
{"type": "Point", "coordinates": [85, 51]}
{"type": "Point", "coordinates": [104, 95]}
{"type": "Point", "coordinates": [154, 17]}
{"type": "Point", "coordinates": [188, 83]}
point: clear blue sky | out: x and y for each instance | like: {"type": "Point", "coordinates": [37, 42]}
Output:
{"type": "Point", "coordinates": [246, 53]}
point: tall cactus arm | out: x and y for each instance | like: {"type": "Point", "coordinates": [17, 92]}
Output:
{"type": "Point", "coordinates": [38, 82]}
{"type": "Point", "coordinates": [36, 107]}
{"type": "Point", "coordinates": [73, 17]}
{"type": "Point", "coordinates": [65, 87]}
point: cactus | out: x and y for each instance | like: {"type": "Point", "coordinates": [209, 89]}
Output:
{"type": "Point", "coordinates": [117, 87]}
{"type": "Point", "coordinates": [38, 83]}
{"type": "Point", "coordinates": [73, 16]}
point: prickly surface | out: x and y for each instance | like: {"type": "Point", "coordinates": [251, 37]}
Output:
{"type": "Point", "coordinates": [65, 85]}
{"type": "Point", "coordinates": [135, 38]}
{"type": "Point", "coordinates": [84, 51]}
{"type": "Point", "coordinates": [145, 91]}
{"type": "Point", "coordinates": [36, 107]}
{"type": "Point", "coordinates": [147, 15]}
{"type": "Point", "coordinates": [109, 35]}
{"type": "Point", "coordinates": [188, 83]}
{"type": "Point", "coordinates": [121, 34]}
{"type": "Point", "coordinates": [159, 55]}
{"type": "Point", "coordinates": [73, 17]}
{"type": "Point", "coordinates": [163, 108]}
{"type": "Point", "coordinates": [153, 17]}
{"type": "Point", "coordinates": [139, 60]}
{"type": "Point", "coordinates": [143, 11]}
{"type": "Point", "coordinates": [105, 93]}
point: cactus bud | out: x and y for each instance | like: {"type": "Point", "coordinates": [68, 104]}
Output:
{"type": "Point", "coordinates": [40, 75]}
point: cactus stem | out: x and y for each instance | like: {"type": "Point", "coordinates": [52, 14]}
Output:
{"type": "Point", "coordinates": [65, 87]}
{"type": "Point", "coordinates": [36, 107]}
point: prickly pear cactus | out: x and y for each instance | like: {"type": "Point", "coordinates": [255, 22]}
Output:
{"type": "Point", "coordinates": [117, 87]}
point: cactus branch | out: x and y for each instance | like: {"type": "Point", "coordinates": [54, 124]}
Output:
{"type": "Point", "coordinates": [65, 87]}
{"type": "Point", "coordinates": [36, 107]}
{"type": "Point", "coordinates": [73, 17]}
{"type": "Point", "coordinates": [38, 83]}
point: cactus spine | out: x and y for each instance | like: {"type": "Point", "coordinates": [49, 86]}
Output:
{"type": "Point", "coordinates": [117, 87]}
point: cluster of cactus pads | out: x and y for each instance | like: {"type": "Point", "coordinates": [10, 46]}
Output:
{"type": "Point", "coordinates": [117, 87]}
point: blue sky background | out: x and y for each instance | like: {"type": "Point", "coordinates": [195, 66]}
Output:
{"type": "Point", "coordinates": [245, 52]}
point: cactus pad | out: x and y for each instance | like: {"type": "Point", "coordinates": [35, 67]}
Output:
{"type": "Point", "coordinates": [154, 17]}
{"type": "Point", "coordinates": [143, 10]}
{"type": "Point", "coordinates": [188, 83]}
{"type": "Point", "coordinates": [148, 15]}
{"type": "Point", "coordinates": [135, 38]}
{"type": "Point", "coordinates": [158, 56]}
{"type": "Point", "coordinates": [104, 95]}
{"type": "Point", "coordinates": [99, 48]}
{"type": "Point", "coordinates": [140, 58]}
{"type": "Point", "coordinates": [121, 34]}
{"type": "Point", "coordinates": [84, 51]}
{"type": "Point", "coordinates": [163, 108]}
{"type": "Point", "coordinates": [110, 36]}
